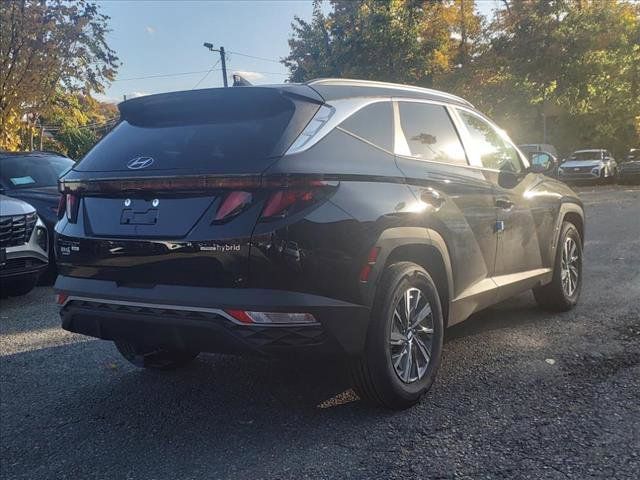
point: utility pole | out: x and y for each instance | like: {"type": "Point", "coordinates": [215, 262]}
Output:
{"type": "Point", "coordinates": [223, 60]}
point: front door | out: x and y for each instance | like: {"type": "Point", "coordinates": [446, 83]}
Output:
{"type": "Point", "coordinates": [519, 260]}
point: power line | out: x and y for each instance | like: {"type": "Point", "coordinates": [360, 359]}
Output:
{"type": "Point", "coordinates": [205, 75]}
{"type": "Point", "coordinates": [257, 58]}
{"type": "Point", "coordinates": [162, 75]}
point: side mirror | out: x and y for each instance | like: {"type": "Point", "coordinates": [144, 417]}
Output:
{"type": "Point", "coordinates": [541, 162]}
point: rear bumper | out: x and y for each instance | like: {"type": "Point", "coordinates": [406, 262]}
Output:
{"type": "Point", "coordinates": [195, 318]}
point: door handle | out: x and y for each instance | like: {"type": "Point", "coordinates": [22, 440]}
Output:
{"type": "Point", "coordinates": [506, 205]}
{"type": "Point", "coordinates": [433, 198]}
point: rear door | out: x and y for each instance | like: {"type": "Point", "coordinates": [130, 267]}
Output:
{"type": "Point", "coordinates": [458, 199]}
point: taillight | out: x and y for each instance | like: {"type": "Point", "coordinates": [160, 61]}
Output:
{"type": "Point", "coordinates": [62, 205]}
{"type": "Point", "coordinates": [72, 204]}
{"type": "Point", "coordinates": [282, 202]}
{"type": "Point", "coordinates": [232, 205]}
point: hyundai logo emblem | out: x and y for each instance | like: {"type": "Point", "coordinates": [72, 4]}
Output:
{"type": "Point", "coordinates": [139, 162]}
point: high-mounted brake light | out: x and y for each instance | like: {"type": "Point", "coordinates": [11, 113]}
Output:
{"type": "Point", "coordinates": [232, 205]}
{"type": "Point", "coordinates": [72, 204]}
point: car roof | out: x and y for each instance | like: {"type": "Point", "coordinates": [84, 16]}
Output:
{"type": "Point", "coordinates": [600, 150]}
{"type": "Point", "coordinates": [334, 88]}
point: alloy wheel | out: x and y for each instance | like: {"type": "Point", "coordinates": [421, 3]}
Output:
{"type": "Point", "coordinates": [411, 337]}
{"type": "Point", "coordinates": [570, 272]}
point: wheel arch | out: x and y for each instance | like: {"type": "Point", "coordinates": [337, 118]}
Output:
{"type": "Point", "coordinates": [422, 246]}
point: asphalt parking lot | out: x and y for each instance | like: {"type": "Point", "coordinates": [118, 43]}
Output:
{"type": "Point", "coordinates": [521, 394]}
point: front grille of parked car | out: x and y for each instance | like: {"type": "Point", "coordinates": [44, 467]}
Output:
{"type": "Point", "coordinates": [20, 265]}
{"type": "Point", "coordinates": [630, 168]}
{"type": "Point", "coordinates": [16, 229]}
{"type": "Point", "coordinates": [571, 170]}
{"type": "Point", "coordinates": [257, 335]}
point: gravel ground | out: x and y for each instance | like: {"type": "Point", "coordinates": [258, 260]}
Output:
{"type": "Point", "coordinates": [521, 394]}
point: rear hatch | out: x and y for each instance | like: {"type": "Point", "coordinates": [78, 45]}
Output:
{"type": "Point", "coordinates": [180, 173]}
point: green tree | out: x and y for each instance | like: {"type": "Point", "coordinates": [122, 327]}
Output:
{"type": "Point", "coordinates": [406, 41]}
{"type": "Point", "coordinates": [45, 46]}
{"type": "Point", "coordinates": [572, 64]}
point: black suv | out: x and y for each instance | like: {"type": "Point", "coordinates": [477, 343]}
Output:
{"type": "Point", "coordinates": [338, 216]}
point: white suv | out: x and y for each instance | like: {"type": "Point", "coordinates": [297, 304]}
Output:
{"type": "Point", "coordinates": [23, 247]}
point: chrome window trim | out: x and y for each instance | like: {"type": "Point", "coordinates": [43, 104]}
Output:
{"type": "Point", "coordinates": [343, 109]}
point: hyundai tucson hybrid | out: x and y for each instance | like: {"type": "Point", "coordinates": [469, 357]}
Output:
{"type": "Point", "coordinates": [339, 217]}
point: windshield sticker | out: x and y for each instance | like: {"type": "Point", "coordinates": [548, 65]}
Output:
{"type": "Point", "coordinates": [22, 180]}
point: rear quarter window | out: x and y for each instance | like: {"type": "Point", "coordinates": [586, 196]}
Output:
{"type": "Point", "coordinates": [373, 123]}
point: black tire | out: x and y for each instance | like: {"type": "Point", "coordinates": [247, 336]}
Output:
{"type": "Point", "coordinates": [17, 286]}
{"type": "Point", "coordinates": [374, 374]}
{"type": "Point", "coordinates": [553, 296]}
{"type": "Point", "coordinates": [154, 358]}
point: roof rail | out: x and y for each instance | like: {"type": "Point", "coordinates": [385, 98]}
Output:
{"type": "Point", "coordinates": [350, 82]}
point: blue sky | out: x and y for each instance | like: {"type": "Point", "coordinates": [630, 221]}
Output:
{"type": "Point", "coordinates": [166, 37]}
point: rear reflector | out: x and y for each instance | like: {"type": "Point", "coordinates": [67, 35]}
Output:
{"type": "Point", "coordinates": [366, 270]}
{"type": "Point", "coordinates": [271, 317]}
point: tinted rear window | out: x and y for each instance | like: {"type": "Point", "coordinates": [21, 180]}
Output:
{"type": "Point", "coordinates": [32, 172]}
{"type": "Point", "coordinates": [236, 131]}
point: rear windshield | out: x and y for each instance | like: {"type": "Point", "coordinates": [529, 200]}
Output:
{"type": "Point", "coordinates": [238, 131]}
{"type": "Point", "coordinates": [586, 156]}
{"type": "Point", "coordinates": [32, 172]}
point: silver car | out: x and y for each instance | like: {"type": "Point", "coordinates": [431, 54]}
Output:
{"type": "Point", "coordinates": [23, 247]}
{"type": "Point", "coordinates": [588, 165]}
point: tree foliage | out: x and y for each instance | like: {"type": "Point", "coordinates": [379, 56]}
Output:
{"type": "Point", "coordinates": [572, 65]}
{"type": "Point", "coordinates": [404, 41]}
{"type": "Point", "coordinates": [48, 46]}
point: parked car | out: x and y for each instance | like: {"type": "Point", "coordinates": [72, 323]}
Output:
{"type": "Point", "coordinates": [544, 162]}
{"type": "Point", "coordinates": [343, 217]}
{"type": "Point", "coordinates": [24, 246]}
{"type": "Point", "coordinates": [588, 165]}
{"type": "Point", "coordinates": [33, 177]}
{"type": "Point", "coordinates": [530, 148]}
{"type": "Point", "coordinates": [629, 170]}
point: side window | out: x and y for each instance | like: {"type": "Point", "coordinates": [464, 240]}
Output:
{"type": "Point", "coordinates": [494, 152]}
{"type": "Point", "coordinates": [429, 133]}
{"type": "Point", "coordinates": [374, 123]}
